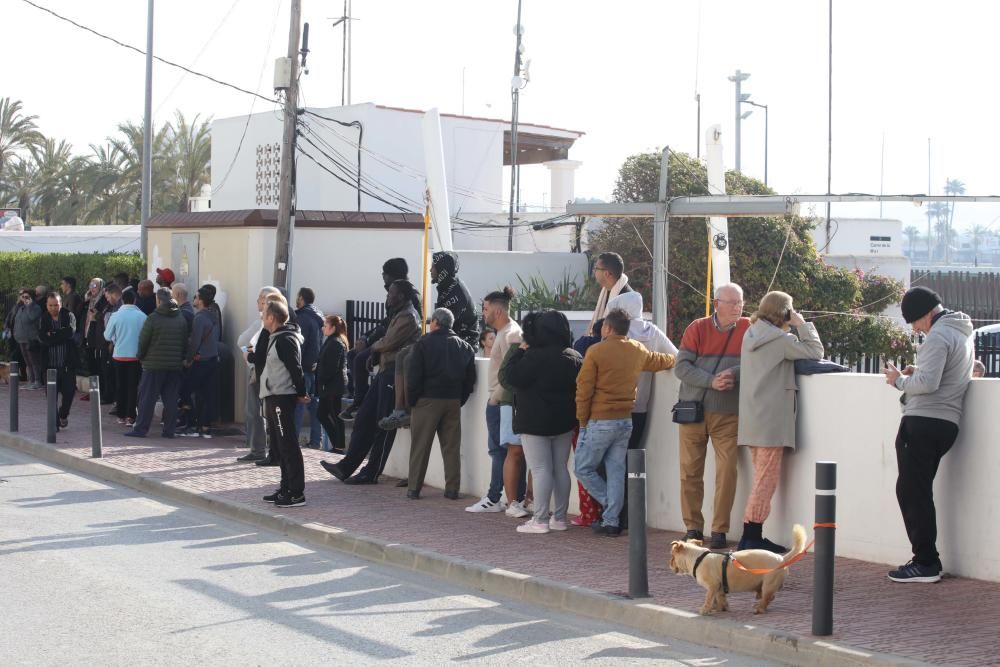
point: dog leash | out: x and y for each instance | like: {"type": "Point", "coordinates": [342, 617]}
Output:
{"type": "Point", "coordinates": [761, 570]}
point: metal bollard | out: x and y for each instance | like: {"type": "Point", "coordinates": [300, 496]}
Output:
{"type": "Point", "coordinates": [826, 517]}
{"type": "Point", "coordinates": [96, 435]}
{"type": "Point", "coordinates": [14, 382]}
{"type": "Point", "coordinates": [52, 395]}
{"type": "Point", "coordinates": [638, 574]}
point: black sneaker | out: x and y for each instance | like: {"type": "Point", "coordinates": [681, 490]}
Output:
{"type": "Point", "coordinates": [348, 414]}
{"type": "Point", "coordinates": [250, 458]}
{"type": "Point", "coordinates": [290, 501]}
{"type": "Point", "coordinates": [273, 498]}
{"type": "Point", "coordinates": [694, 535]}
{"type": "Point", "coordinates": [915, 572]}
{"type": "Point", "coordinates": [762, 543]}
{"type": "Point", "coordinates": [608, 531]}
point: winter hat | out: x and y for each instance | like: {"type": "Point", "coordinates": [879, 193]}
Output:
{"type": "Point", "coordinates": [167, 276]}
{"type": "Point", "coordinates": [396, 268]}
{"type": "Point", "coordinates": [917, 302]}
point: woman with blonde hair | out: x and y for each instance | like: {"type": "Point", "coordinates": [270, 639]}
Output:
{"type": "Point", "coordinates": [767, 402]}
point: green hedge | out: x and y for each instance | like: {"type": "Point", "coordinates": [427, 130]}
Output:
{"type": "Point", "coordinates": [28, 269]}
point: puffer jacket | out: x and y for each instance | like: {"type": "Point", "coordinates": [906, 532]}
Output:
{"type": "Point", "coordinates": [163, 339]}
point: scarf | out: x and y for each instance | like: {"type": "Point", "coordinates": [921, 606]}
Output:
{"type": "Point", "coordinates": [602, 301]}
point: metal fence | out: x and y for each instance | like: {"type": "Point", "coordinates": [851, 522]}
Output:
{"type": "Point", "coordinates": [988, 352]}
{"type": "Point", "coordinates": [363, 316]}
{"type": "Point", "coordinates": [975, 294]}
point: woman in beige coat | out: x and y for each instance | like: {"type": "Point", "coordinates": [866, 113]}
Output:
{"type": "Point", "coordinates": [767, 402]}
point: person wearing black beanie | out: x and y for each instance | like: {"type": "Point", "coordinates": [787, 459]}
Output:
{"type": "Point", "coordinates": [933, 396]}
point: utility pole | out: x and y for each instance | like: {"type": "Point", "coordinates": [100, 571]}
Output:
{"type": "Point", "coordinates": [515, 91]}
{"type": "Point", "coordinates": [829, 123]}
{"type": "Point", "coordinates": [738, 79]}
{"type": "Point", "coordinates": [286, 189]}
{"type": "Point", "coordinates": [147, 137]}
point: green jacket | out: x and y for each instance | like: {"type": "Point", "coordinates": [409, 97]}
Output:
{"type": "Point", "coordinates": [163, 340]}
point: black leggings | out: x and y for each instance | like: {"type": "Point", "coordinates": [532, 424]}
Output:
{"type": "Point", "coordinates": [328, 413]}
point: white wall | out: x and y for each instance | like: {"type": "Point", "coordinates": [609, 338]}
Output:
{"type": "Point", "coordinates": [80, 239]}
{"type": "Point", "coordinates": [853, 236]}
{"type": "Point", "coordinates": [847, 418]}
{"type": "Point", "coordinates": [485, 271]}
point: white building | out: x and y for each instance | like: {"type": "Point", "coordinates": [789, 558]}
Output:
{"type": "Point", "coordinates": [246, 155]}
{"type": "Point", "coordinates": [870, 244]}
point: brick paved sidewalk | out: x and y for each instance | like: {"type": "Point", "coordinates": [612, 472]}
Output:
{"type": "Point", "coordinates": [956, 622]}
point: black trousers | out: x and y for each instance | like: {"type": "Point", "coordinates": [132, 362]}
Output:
{"type": "Point", "coordinates": [921, 443]}
{"type": "Point", "coordinates": [279, 411]}
{"type": "Point", "coordinates": [127, 386]}
{"type": "Point", "coordinates": [360, 376]}
{"type": "Point", "coordinates": [367, 439]}
{"type": "Point", "coordinates": [328, 413]}
{"type": "Point", "coordinates": [66, 387]}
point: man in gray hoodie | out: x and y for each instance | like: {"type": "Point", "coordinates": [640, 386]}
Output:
{"type": "Point", "coordinates": [933, 394]}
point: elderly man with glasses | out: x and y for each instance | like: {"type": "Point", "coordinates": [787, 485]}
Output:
{"type": "Point", "coordinates": [708, 367]}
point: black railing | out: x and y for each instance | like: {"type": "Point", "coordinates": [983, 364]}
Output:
{"type": "Point", "coordinates": [362, 317]}
{"type": "Point", "coordinates": [988, 352]}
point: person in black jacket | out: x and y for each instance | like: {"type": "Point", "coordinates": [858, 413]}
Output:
{"type": "Point", "coordinates": [282, 386]}
{"type": "Point", "coordinates": [55, 334]}
{"type": "Point", "coordinates": [257, 355]}
{"type": "Point", "coordinates": [543, 374]}
{"type": "Point", "coordinates": [454, 295]}
{"type": "Point", "coordinates": [310, 321]}
{"type": "Point", "coordinates": [331, 379]}
{"type": "Point", "coordinates": [441, 377]}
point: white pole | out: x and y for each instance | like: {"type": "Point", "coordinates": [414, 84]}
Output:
{"type": "Point", "coordinates": [718, 232]}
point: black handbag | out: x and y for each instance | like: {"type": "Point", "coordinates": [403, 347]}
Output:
{"type": "Point", "coordinates": [693, 412]}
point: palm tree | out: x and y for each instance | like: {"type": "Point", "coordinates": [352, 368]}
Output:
{"type": "Point", "coordinates": [912, 234]}
{"type": "Point", "coordinates": [191, 149]}
{"type": "Point", "coordinates": [21, 185]}
{"type": "Point", "coordinates": [979, 234]}
{"type": "Point", "coordinates": [936, 211]}
{"type": "Point", "coordinates": [50, 160]}
{"type": "Point", "coordinates": [129, 147]}
{"type": "Point", "coordinates": [952, 187]}
{"type": "Point", "coordinates": [103, 177]}
{"type": "Point", "coordinates": [17, 131]}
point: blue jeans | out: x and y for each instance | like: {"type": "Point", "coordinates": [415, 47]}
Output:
{"type": "Point", "coordinates": [315, 428]}
{"type": "Point", "coordinates": [604, 441]}
{"type": "Point", "coordinates": [498, 454]}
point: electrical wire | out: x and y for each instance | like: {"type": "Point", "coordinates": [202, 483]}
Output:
{"type": "Point", "coordinates": [142, 52]}
{"type": "Point", "coordinates": [201, 52]}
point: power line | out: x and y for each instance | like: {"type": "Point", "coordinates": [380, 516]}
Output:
{"type": "Point", "coordinates": [142, 52]}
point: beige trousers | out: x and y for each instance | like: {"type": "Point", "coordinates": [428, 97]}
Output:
{"type": "Point", "coordinates": [721, 428]}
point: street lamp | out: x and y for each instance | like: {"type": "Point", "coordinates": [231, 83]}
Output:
{"type": "Point", "coordinates": [764, 107]}
{"type": "Point", "coordinates": [738, 78]}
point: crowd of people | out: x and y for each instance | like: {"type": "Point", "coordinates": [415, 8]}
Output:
{"type": "Point", "coordinates": [549, 393]}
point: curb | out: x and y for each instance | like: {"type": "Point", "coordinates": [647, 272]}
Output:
{"type": "Point", "coordinates": [647, 617]}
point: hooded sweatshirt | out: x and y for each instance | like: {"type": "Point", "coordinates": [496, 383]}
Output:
{"type": "Point", "coordinates": [937, 387]}
{"type": "Point", "coordinates": [647, 333]}
{"type": "Point", "coordinates": [454, 295]}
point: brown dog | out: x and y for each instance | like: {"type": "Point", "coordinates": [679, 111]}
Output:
{"type": "Point", "coordinates": [683, 556]}
{"type": "Point", "coordinates": [4, 372]}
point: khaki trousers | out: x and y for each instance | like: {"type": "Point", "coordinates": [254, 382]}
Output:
{"type": "Point", "coordinates": [442, 416]}
{"type": "Point", "coordinates": [721, 428]}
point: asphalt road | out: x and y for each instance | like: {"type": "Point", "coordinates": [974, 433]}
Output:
{"type": "Point", "coordinates": [97, 574]}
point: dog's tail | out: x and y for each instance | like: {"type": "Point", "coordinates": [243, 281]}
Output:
{"type": "Point", "coordinates": [798, 543]}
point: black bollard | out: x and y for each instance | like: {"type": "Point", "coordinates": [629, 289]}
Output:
{"type": "Point", "coordinates": [14, 382]}
{"type": "Point", "coordinates": [52, 395]}
{"type": "Point", "coordinates": [96, 435]}
{"type": "Point", "coordinates": [638, 574]}
{"type": "Point", "coordinates": [826, 517]}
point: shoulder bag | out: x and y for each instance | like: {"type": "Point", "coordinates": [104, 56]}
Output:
{"type": "Point", "coordinates": [693, 412]}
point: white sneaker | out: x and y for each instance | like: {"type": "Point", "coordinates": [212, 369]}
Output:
{"type": "Point", "coordinates": [486, 505]}
{"type": "Point", "coordinates": [516, 510]}
{"type": "Point", "coordinates": [555, 524]}
{"type": "Point", "coordinates": [534, 527]}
